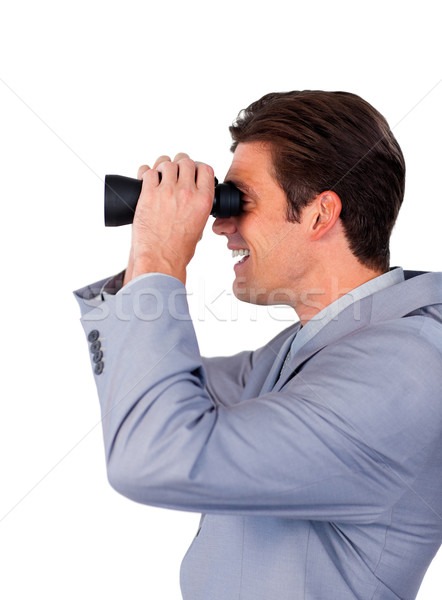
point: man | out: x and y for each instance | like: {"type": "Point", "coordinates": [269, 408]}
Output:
{"type": "Point", "coordinates": [316, 459]}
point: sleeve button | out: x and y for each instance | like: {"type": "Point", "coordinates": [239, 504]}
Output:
{"type": "Point", "coordinates": [97, 356]}
{"type": "Point", "coordinates": [95, 346]}
{"type": "Point", "coordinates": [99, 367]}
{"type": "Point", "coordinates": [93, 335]}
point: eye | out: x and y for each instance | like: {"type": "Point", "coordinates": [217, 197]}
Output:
{"type": "Point", "coordinates": [247, 203]}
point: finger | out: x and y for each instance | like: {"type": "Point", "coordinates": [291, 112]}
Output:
{"type": "Point", "coordinates": [151, 178]}
{"type": "Point", "coordinates": [161, 159]}
{"type": "Point", "coordinates": [142, 170]}
{"type": "Point", "coordinates": [169, 171]}
{"type": "Point", "coordinates": [186, 171]}
{"type": "Point", "coordinates": [205, 176]}
{"type": "Point", "coordinates": [180, 156]}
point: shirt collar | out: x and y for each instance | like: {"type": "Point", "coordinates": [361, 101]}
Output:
{"type": "Point", "coordinates": [331, 312]}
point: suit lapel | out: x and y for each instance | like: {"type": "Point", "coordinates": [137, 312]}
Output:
{"type": "Point", "coordinates": [265, 367]}
{"type": "Point", "coordinates": [277, 364]}
{"type": "Point", "coordinates": [354, 317]}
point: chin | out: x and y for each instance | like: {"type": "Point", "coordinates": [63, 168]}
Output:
{"type": "Point", "coordinates": [263, 295]}
{"type": "Point", "coordinates": [251, 293]}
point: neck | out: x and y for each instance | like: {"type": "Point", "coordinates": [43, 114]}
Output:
{"type": "Point", "coordinates": [322, 289]}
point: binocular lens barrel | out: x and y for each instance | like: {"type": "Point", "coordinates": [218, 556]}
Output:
{"type": "Point", "coordinates": [121, 196]}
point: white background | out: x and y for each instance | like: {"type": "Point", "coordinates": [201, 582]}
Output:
{"type": "Point", "coordinates": [95, 87]}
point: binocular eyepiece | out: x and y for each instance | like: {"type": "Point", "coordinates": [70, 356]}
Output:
{"type": "Point", "coordinates": [121, 196]}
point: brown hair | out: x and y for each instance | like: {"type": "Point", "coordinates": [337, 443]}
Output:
{"type": "Point", "coordinates": [332, 141]}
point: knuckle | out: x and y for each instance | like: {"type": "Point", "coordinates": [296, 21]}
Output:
{"type": "Point", "coordinates": [142, 169]}
{"type": "Point", "coordinates": [150, 176]}
{"type": "Point", "coordinates": [186, 161]}
{"type": "Point", "coordinates": [168, 166]}
{"type": "Point", "coordinates": [181, 156]}
{"type": "Point", "coordinates": [207, 169]}
{"type": "Point", "coordinates": [160, 160]}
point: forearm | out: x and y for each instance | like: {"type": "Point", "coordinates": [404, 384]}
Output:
{"type": "Point", "coordinates": [152, 388]}
{"type": "Point", "coordinates": [153, 264]}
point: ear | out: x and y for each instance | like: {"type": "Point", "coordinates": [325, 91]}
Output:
{"type": "Point", "coordinates": [324, 212]}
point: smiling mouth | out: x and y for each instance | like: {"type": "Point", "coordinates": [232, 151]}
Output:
{"type": "Point", "coordinates": [242, 252]}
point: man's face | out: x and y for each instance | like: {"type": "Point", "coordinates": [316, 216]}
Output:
{"type": "Point", "coordinates": [278, 252]}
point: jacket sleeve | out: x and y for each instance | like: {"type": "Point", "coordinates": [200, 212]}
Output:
{"type": "Point", "coordinates": [226, 376]}
{"type": "Point", "coordinates": [223, 373]}
{"type": "Point", "coordinates": [342, 440]}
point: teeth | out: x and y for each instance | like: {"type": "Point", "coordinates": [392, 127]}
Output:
{"type": "Point", "coordinates": [241, 252]}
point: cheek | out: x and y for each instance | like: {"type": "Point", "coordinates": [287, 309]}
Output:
{"type": "Point", "coordinates": [253, 223]}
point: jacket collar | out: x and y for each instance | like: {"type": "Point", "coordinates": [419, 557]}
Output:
{"type": "Point", "coordinates": [418, 290]}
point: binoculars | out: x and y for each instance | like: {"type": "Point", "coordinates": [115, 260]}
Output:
{"type": "Point", "coordinates": [121, 196]}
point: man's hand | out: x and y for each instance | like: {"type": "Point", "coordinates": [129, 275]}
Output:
{"type": "Point", "coordinates": [170, 216]}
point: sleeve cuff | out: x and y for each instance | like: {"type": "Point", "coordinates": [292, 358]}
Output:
{"type": "Point", "coordinates": [136, 279]}
{"type": "Point", "coordinates": [105, 290]}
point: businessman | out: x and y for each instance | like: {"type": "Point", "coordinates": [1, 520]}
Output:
{"type": "Point", "coordinates": [315, 460]}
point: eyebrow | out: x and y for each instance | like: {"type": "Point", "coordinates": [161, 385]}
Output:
{"type": "Point", "coordinates": [243, 187]}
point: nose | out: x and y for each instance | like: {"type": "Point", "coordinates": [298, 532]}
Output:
{"type": "Point", "coordinates": [224, 226]}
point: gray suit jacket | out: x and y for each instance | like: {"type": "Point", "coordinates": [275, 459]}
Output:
{"type": "Point", "coordinates": [324, 485]}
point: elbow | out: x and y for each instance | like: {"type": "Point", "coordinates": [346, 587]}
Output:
{"type": "Point", "coordinates": [128, 479]}
{"type": "Point", "coordinates": [117, 480]}
{"type": "Point", "coordinates": [120, 480]}
{"type": "Point", "coordinates": [139, 481]}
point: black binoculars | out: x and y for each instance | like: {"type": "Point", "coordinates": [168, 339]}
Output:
{"type": "Point", "coordinates": [121, 196]}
